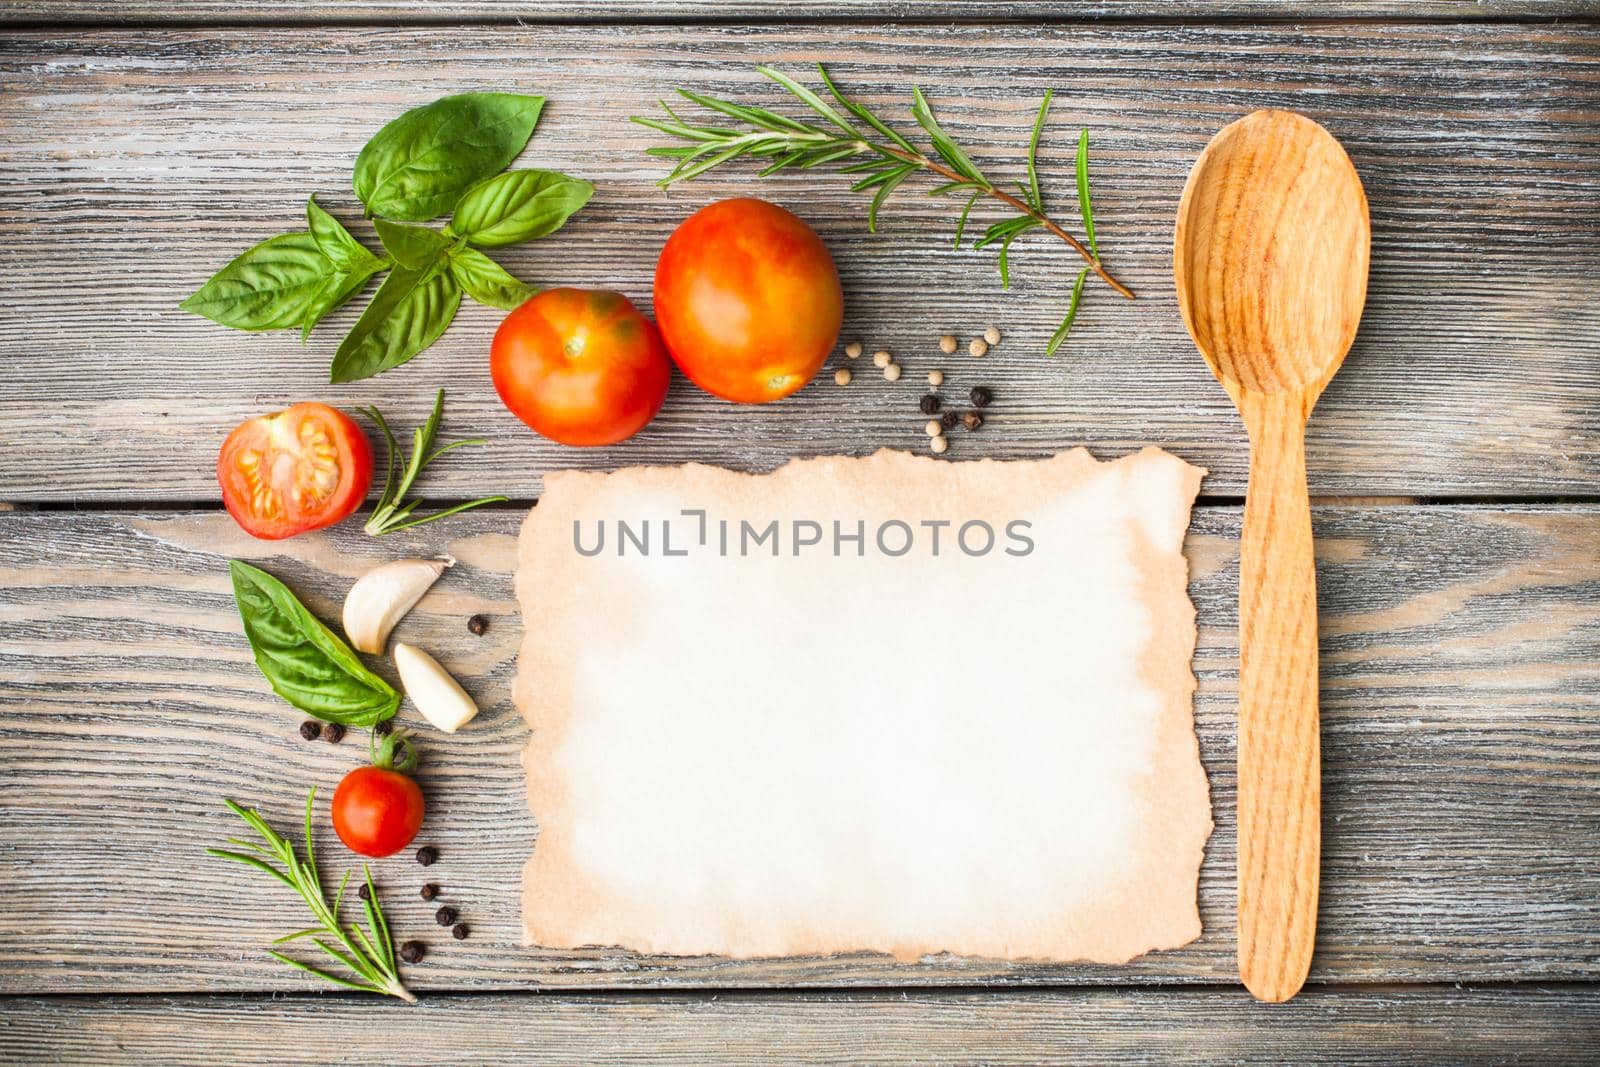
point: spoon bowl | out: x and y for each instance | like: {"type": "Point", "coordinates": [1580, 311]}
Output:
{"type": "Point", "coordinates": [1270, 261]}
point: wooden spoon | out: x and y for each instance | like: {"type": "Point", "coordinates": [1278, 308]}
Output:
{"type": "Point", "coordinates": [1270, 258]}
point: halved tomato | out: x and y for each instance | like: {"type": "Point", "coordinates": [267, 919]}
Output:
{"type": "Point", "coordinates": [296, 470]}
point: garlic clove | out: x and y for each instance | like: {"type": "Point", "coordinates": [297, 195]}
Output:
{"type": "Point", "coordinates": [436, 694]}
{"type": "Point", "coordinates": [382, 596]}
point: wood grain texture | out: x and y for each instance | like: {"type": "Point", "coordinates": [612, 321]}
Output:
{"type": "Point", "coordinates": [1270, 266]}
{"type": "Point", "coordinates": [1358, 1028]}
{"type": "Point", "coordinates": [291, 12]}
{"type": "Point", "coordinates": [136, 164]}
{"type": "Point", "coordinates": [1461, 737]}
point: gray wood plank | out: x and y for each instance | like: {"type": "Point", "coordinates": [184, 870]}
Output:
{"type": "Point", "coordinates": [1380, 1028]}
{"type": "Point", "coordinates": [1461, 702]}
{"type": "Point", "coordinates": [135, 164]}
{"type": "Point", "coordinates": [291, 12]}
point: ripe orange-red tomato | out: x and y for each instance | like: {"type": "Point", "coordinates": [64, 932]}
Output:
{"type": "Point", "coordinates": [295, 470]}
{"type": "Point", "coordinates": [377, 811]}
{"type": "Point", "coordinates": [580, 366]}
{"type": "Point", "coordinates": [748, 300]}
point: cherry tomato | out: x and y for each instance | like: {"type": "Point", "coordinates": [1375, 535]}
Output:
{"type": "Point", "coordinates": [377, 811]}
{"type": "Point", "coordinates": [295, 470]}
{"type": "Point", "coordinates": [748, 300]}
{"type": "Point", "coordinates": [580, 366]}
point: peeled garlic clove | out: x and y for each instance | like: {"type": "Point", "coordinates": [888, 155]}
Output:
{"type": "Point", "coordinates": [382, 597]}
{"type": "Point", "coordinates": [436, 694]}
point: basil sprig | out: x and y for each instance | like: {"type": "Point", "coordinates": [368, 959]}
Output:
{"type": "Point", "coordinates": [305, 662]}
{"type": "Point", "coordinates": [443, 157]}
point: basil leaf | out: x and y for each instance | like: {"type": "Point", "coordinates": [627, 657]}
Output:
{"type": "Point", "coordinates": [417, 166]}
{"type": "Point", "coordinates": [343, 251]}
{"type": "Point", "coordinates": [306, 663]}
{"type": "Point", "coordinates": [268, 287]}
{"type": "Point", "coordinates": [411, 246]}
{"type": "Point", "coordinates": [487, 281]}
{"type": "Point", "coordinates": [353, 264]}
{"type": "Point", "coordinates": [334, 292]}
{"type": "Point", "coordinates": [407, 314]}
{"type": "Point", "coordinates": [518, 206]}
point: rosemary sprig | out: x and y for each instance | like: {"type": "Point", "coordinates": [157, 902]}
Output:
{"type": "Point", "coordinates": [393, 511]}
{"type": "Point", "coordinates": [367, 954]}
{"type": "Point", "coordinates": [864, 145]}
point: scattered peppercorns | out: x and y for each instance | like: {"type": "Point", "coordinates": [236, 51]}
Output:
{"type": "Point", "coordinates": [333, 733]}
{"type": "Point", "coordinates": [992, 335]}
{"type": "Point", "coordinates": [972, 420]}
{"type": "Point", "coordinates": [841, 376]}
{"type": "Point", "coordinates": [363, 892]}
{"type": "Point", "coordinates": [430, 890]}
{"type": "Point", "coordinates": [936, 378]}
{"type": "Point", "coordinates": [929, 404]}
{"type": "Point", "coordinates": [934, 428]}
{"type": "Point", "coordinates": [460, 931]}
{"type": "Point", "coordinates": [979, 347]}
{"type": "Point", "coordinates": [427, 855]}
{"type": "Point", "coordinates": [478, 625]}
{"type": "Point", "coordinates": [939, 444]}
{"type": "Point", "coordinates": [892, 372]}
{"type": "Point", "coordinates": [981, 396]}
{"type": "Point", "coordinates": [382, 729]}
{"type": "Point", "coordinates": [311, 729]}
{"type": "Point", "coordinates": [853, 349]}
{"type": "Point", "coordinates": [413, 951]}
{"type": "Point", "coordinates": [949, 419]}
{"type": "Point", "coordinates": [445, 915]}
{"type": "Point", "coordinates": [947, 344]}
{"type": "Point", "coordinates": [881, 358]}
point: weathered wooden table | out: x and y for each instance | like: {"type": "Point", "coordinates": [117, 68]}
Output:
{"type": "Point", "coordinates": [1456, 461]}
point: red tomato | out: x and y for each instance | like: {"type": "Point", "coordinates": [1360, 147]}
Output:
{"type": "Point", "coordinates": [748, 300]}
{"type": "Point", "coordinates": [580, 366]}
{"type": "Point", "coordinates": [293, 471]}
{"type": "Point", "coordinates": [376, 811]}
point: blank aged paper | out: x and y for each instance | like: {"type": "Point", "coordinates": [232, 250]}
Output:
{"type": "Point", "coordinates": [890, 704]}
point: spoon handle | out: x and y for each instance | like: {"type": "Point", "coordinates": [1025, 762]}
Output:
{"type": "Point", "coordinates": [1280, 786]}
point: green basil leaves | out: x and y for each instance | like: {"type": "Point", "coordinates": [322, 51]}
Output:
{"type": "Point", "coordinates": [487, 281]}
{"type": "Point", "coordinates": [305, 662]}
{"type": "Point", "coordinates": [411, 246]}
{"type": "Point", "coordinates": [443, 157]}
{"type": "Point", "coordinates": [290, 280]}
{"type": "Point", "coordinates": [407, 314]}
{"type": "Point", "coordinates": [417, 167]}
{"type": "Point", "coordinates": [517, 206]}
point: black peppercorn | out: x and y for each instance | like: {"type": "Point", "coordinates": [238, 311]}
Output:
{"type": "Point", "coordinates": [460, 931]}
{"type": "Point", "coordinates": [363, 892]}
{"type": "Point", "coordinates": [949, 419]}
{"type": "Point", "coordinates": [427, 855]}
{"type": "Point", "coordinates": [382, 729]}
{"type": "Point", "coordinates": [311, 729]}
{"type": "Point", "coordinates": [981, 396]}
{"type": "Point", "coordinates": [333, 733]}
{"type": "Point", "coordinates": [929, 404]}
{"type": "Point", "coordinates": [430, 890]}
{"type": "Point", "coordinates": [972, 420]}
{"type": "Point", "coordinates": [413, 951]}
{"type": "Point", "coordinates": [478, 624]}
{"type": "Point", "coordinates": [445, 916]}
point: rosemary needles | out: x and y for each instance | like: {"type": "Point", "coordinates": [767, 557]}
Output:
{"type": "Point", "coordinates": [858, 142]}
